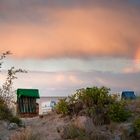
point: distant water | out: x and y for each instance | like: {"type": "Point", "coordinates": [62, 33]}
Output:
{"type": "Point", "coordinates": [47, 99]}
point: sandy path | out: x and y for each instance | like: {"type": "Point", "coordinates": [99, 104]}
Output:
{"type": "Point", "coordinates": [46, 126]}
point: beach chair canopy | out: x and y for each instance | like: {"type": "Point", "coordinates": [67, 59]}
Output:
{"type": "Point", "coordinates": [28, 93]}
{"type": "Point", "coordinates": [128, 95]}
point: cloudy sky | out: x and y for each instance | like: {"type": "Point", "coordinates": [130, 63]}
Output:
{"type": "Point", "coordinates": [70, 44]}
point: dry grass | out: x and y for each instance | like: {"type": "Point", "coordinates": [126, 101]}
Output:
{"type": "Point", "coordinates": [134, 107]}
{"type": "Point", "coordinates": [27, 134]}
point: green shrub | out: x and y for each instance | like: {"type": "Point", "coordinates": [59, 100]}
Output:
{"type": "Point", "coordinates": [96, 103]}
{"type": "Point", "coordinates": [62, 107]}
{"type": "Point", "coordinates": [16, 120]}
{"type": "Point", "coordinates": [5, 113]}
{"type": "Point", "coordinates": [118, 113]}
{"type": "Point", "coordinates": [137, 125]}
{"type": "Point", "coordinates": [94, 96]}
{"type": "Point", "coordinates": [89, 97]}
{"type": "Point", "coordinates": [96, 100]}
{"type": "Point", "coordinates": [75, 132]}
{"type": "Point", "coordinates": [90, 111]}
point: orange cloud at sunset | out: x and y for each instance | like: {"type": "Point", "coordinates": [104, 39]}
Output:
{"type": "Point", "coordinates": [136, 66]}
{"type": "Point", "coordinates": [137, 55]}
{"type": "Point", "coordinates": [75, 32]}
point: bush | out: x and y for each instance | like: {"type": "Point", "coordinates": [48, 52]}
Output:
{"type": "Point", "coordinates": [96, 103]}
{"type": "Point", "coordinates": [94, 96]}
{"type": "Point", "coordinates": [90, 111]}
{"type": "Point", "coordinates": [90, 98]}
{"type": "Point", "coordinates": [62, 107]}
{"type": "Point", "coordinates": [16, 120]}
{"type": "Point", "coordinates": [118, 113]}
{"type": "Point", "coordinates": [75, 132]}
{"type": "Point", "coordinates": [137, 125]}
{"type": "Point", "coordinates": [96, 100]}
{"type": "Point", "coordinates": [5, 113]}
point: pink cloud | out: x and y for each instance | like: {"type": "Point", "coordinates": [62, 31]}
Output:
{"type": "Point", "coordinates": [75, 32]}
{"type": "Point", "coordinates": [65, 83]}
{"type": "Point", "coordinates": [71, 81]}
{"type": "Point", "coordinates": [134, 67]}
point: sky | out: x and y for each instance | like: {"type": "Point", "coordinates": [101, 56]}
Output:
{"type": "Point", "coordinates": [69, 44]}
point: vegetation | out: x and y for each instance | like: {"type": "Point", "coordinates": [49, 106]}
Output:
{"type": "Point", "coordinates": [26, 135]}
{"type": "Point", "coordinates": [137, 126]}
{"type": "Point", "coordinates": [73, 132]}
{"type": "Point", "coordinates": [15, 119]}
{"type": "Point", "coordinates": [118, 113]}
{"type": "Point", "coordinates": [6, 93]}
{"type": "Point", "coordinates": [5, 113]}
{"type": "Point", "coordinates": [106, 112]}
{"type": "Point", "coordinates": [62, 107]}
{"type": "Point", "coordinates": [95, 102]}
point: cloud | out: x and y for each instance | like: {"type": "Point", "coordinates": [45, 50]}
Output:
{"type": "Point", "coordinates": [65, 83]}
{"type": "Point", "coordinates": [134, 67]}
{"type": "Point", "coordinates": [56, 30]}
